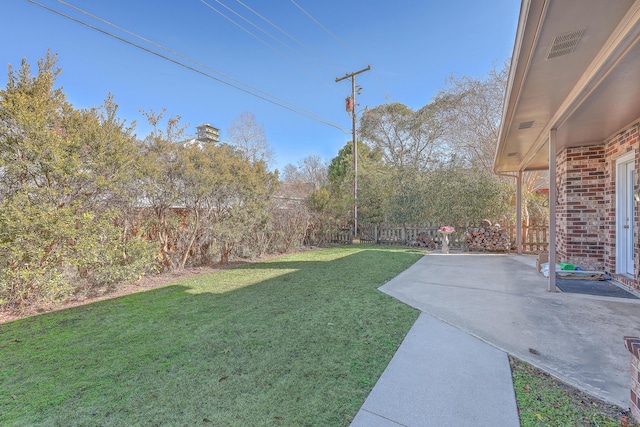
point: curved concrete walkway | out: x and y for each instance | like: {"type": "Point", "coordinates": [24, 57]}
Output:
{"type": "Point", "coordinates": [479, 308]}
{"type": "Point", "coordinates": [442, 376]}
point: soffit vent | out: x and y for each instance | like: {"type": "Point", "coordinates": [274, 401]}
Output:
{"type": "Point", "coordinates": [564, 44]}
{"type": "Point", "coordinates": [526, 125]}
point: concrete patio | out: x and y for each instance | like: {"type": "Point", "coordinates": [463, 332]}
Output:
{"type": "Point", "coordinates": [502, 300]}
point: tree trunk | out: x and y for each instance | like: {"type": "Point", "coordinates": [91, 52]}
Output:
{"type": "Point", "coordinates": [194, 233]}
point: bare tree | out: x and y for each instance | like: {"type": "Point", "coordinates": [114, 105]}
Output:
{"type": "Point", "coordinates": [472, 109]}
{"type": "Point", "coordinates": [247, 135]}
{"type": "Point", "coordinates": [310, 170]}
{"type": "Point", "coordinates": [290, 173]}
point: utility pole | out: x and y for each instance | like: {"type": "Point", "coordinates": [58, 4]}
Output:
{"type": "Point", "coordinates": [355, 143]}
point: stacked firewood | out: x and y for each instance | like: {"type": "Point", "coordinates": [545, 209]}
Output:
{"type": "Point", "coordinates": [487, 237]}
{"type": "Point", "coordinates": [423, 241]}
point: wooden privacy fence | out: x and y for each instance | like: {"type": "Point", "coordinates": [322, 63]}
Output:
{"type": "Point", "coordinates": [390, 234]}
{"type": "Point", "coordinates": [535, 238]}
{"type": "Point", "coordinates": [322, 234]}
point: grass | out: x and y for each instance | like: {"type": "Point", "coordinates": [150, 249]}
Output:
{"type": "Point", "coordinates": [545, 401]}
{"type": "Point", "coordinates": [298, 340]}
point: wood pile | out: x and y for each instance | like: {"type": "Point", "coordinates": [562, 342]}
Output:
{"type": "Point", "coordinates": [423, 241]}
{"type": "Point", "coordinates": [487, 237]}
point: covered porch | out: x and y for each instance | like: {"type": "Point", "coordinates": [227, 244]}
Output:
{"type": "Point", "coordinates": [573, 108]}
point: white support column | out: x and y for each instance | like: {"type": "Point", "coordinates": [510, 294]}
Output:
{"type": "Point", "coordinates": [519, 212]}
{"type": "Point", "coordinates": [552, 210]}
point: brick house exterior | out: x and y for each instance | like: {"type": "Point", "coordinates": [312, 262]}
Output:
{"type": "Point", "coordinates": [586, 200]}
{"type": "Point", "coordinates": [581, 206]}
{"type": "Point", "coordinates": [625, 142]}
{"type": "Point", "coordinates": [572, 107]}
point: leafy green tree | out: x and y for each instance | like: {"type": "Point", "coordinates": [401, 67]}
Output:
{"type": "Point", "coordinates": [456, 196]}
{"type": "Point", "coordinates": [239, 199]}
{"type": "Point", "coordinates": [34, 245]}
{"type": "Point", "coordinates": [372, 182]}
{"type": "Point", "coordinates": [207, 199]}
{"type": "Point", "coordinates": [65, 175]}
{"type": "Point", "coordinates": [406, 138]}
{"type": "Point", "coordinates": [406, 204]}
{"type": "Point", "coordinates": [472, 109]}
{"type": "Point", "coordinates": [159, 184]}
{"type": "Point", "coordinates": [440, 156]}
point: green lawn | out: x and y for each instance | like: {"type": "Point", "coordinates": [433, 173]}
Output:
{"type": "Point", "coordinates": [544, 401]}
{"type": "Point", "coordinates": [298, 340]}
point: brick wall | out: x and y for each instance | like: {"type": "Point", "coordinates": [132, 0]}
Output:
{"type": "Point", "coordinates": [633, 345]}
{"type": "Point", "coordinates": [621, 144]}
{"type": "Point", "coordinates": [586, 209]}
{"type": "Point", "coordinates": [581, 208]}
{"type": "Point", "coordinates": [562, 254]}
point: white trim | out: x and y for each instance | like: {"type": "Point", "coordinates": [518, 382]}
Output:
{"type": "Point", "coordinates": [514, 78]}
{"type": "Point", "coordinates": [616, 47]}
{"type": "Point", "coordinates": [519, 212]}
{"type": "Point", "coordinates": [553, 195]}
{"type": "Point", "coordinates": [622, 192]}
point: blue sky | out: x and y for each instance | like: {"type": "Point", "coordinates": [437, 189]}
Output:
{"type": "Point", "coordinates": [412, 47]}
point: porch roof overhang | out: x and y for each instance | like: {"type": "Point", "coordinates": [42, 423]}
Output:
{"type": "Point", "coordinates": [575, 69]}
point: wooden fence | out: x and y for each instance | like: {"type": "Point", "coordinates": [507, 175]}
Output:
{"type": "Point", "coordinates": [391, 234]}
{"type": "Point", "coordinates": [329, 234]}
{"type": "Point", "coordinates": [535, 239]}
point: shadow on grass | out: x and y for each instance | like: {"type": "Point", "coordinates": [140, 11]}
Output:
{"type": "Point", "coordinates": [298, 340]}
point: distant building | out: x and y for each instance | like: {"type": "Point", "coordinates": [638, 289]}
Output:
{"type": "Point", "coordinates": [205, 134]}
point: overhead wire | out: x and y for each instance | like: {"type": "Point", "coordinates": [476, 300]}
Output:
{"type": "Point", "coordinates": [265, 96]}
{"type": "Point", "coordinates": [264, 42]}
{"type": "Point", "coordinates": [193, 61]}
{"type": "Point", "coordinates": [293, 38]}
{"type": "Point", "coordinates": [248, 21]}
{"type": "Point", "coordinates": [328, 31]}
{"type": "Point", "coordinates": [339, 40]}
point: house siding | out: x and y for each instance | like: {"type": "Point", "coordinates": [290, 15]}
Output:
{"type": "Point", "coordinates": [624, 142]}
{"type": "Point", "coordinates": [580, 210]}
{"type": "Point", "coordinates": [586, 206]}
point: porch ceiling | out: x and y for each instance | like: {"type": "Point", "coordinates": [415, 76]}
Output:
{"type": "Point", "coordinates": [587, 90]}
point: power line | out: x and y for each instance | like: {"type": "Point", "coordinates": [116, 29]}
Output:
{"type": "Point", "coordinates": [264, 42]}
{"type": "Point", "coordinates": [292, 37]}
{"type": "Point", "coordinates": [254, 25]}
{"type": "Point", "coordinates": [339, 40]}
{"type": "Point", "coordinates": [297, 110]}
{"type": "Point", "coordinates": [328, 31]}
{"type": "Point", "coordinates": [193, 61]}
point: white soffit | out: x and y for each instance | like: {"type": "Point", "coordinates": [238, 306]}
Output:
{"type": "Point", "coordinates": [583, 57]}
